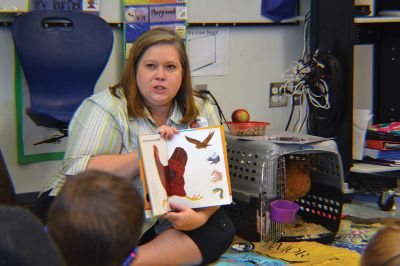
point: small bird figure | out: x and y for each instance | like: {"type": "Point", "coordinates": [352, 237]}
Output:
{"type": "Point", "coordinates": [214, 159]}
{"type": "Point", "coordinates": [220, 191]}
{"type": "Point", "coordinates": [201, 144]}
{"type": "Point", "coordinates": [217, 176]}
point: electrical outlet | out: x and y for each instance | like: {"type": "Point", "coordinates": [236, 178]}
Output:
{"type": "Point", "coordinates": [276, 96]}
{"type": "Point", "coordinates": [199, 87]}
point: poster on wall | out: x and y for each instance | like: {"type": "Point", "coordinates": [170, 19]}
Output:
{"type": "Point", "coordinates": [141, 15]}
{"type": "Point", "coordinates": [208, 51]}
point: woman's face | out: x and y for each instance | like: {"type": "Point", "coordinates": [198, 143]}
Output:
{"type": "Point", "coordinates": [159, 75]}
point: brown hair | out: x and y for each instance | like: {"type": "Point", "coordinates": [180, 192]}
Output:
{"type": "Point", "coordinates": [384, 248]}
{"type": "Point", "coordinates": [185, 96]}
{"type": "Point", "coordinates": [96, 219]}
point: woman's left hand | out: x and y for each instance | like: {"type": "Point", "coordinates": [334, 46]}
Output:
{"type": "Point", "coordinates": [167, 132]}
{"type": "Point", "coordinates": [185, 218]}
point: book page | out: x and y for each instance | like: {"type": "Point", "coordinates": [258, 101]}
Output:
{"type": "Point", "coordinates": [149, 145]}
{"type": "Point", "coordinates": [206, 175]}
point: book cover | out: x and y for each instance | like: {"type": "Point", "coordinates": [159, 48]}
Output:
{"type": "Point", "coordinates": [381, 144]}
{"type": "Point", "coordinates": [382, 154]}
{"type": "Point", "coordinates": [190, 169]}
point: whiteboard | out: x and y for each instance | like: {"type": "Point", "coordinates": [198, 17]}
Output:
{"type": "Point", "coordinates": [203, 11]}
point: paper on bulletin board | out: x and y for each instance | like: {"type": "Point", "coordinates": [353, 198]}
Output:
{"type": "Point", "coordinates": [7, 6]}
{"type": "Point", "coordinates": [90, 6]}
{"type": "Point", "coordinates": [148, 2]}
{"type": "Point", "coordinates": [139, 18]}
{"type": "Point", "coordinates": [208, 51]}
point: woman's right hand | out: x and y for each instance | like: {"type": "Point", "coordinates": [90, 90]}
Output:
{"type": "Point", "coordinates": [184, 218]}
{"type": "Point", "coordinates": [167, 132]}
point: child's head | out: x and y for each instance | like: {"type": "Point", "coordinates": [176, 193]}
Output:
{"type": "Point", "coordinates": [384, 248]}
{"type": "Point", "coordinates": [96, 219]}
{"type": "Point", "coordinates": [24, 241]}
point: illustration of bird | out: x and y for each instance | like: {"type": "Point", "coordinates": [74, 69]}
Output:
{"type": "Point", "coordinates": [201, 144]}
{"type": "Point", "coordinates": [217, 176]}
{"type": "Point", "coordinates": [220, 191]}
{"type": "Point", "coordinates": [213, 159]}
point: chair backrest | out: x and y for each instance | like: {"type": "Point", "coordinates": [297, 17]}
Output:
{"type": "Point", "coordinates": [62, 54]}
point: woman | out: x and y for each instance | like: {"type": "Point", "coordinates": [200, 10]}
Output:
{"type": "Point", "coordinates": [155, 95]}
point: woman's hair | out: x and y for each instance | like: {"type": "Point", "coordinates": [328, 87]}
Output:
{"type": "Point", "coordinates": [185, 96]}
{"type": "Point", "coordinates": [384, 248]}
{"type": "Point", "coordinates": [96, 219]}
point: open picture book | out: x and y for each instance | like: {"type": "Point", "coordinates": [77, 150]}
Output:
{"type": "Point", "coordinates": [190, 169]}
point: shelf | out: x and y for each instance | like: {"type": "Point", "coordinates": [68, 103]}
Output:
{"type": "Point", "coordinates": [372, 168]}
{"type": "Point", "coordinates": [376, 19]}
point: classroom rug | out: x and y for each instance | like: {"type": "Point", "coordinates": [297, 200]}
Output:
{"type": "Point", "coordinates": [354, 232]}
{"type": "Point", "coordinates": [346, 249]}
{"type": "Point", "coordinates": [284, 253]}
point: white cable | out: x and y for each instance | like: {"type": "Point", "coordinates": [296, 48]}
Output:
{"type": "Point", "coordinates": [314, 99]}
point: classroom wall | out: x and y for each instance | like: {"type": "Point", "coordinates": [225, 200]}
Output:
{"type": "Point", "coordinates": [257, 56]}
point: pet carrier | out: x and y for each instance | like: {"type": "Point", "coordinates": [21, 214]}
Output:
{"type": "Point", "coordinates": [257, 171]}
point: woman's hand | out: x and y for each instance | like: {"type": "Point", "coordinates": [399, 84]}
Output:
{"type": "Point", "coordinates": [184, 218]}
{"type": "Point", "coordinates": [167, 132]}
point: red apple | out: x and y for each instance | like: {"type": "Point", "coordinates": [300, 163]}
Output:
{"type": "Point", "coordinates": [240, 116]}
{"type": "Point", "coordinates": [194, 124]}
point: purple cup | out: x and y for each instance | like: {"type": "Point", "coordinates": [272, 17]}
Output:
{"type": "Point", "coordinates": [283, 211]}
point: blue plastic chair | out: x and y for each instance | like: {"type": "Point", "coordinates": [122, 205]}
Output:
{"type": "Point", "coordinates": [62, 54]}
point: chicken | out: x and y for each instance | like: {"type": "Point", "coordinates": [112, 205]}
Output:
{"type": "Point", "coordinates": [298, 181]}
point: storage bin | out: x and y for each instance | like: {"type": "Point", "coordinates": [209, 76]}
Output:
{"type": "Point", "coordinates": [257, 171]}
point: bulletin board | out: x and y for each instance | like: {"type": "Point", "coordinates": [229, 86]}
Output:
{"type": "Point", "coordinates": [205, 12]}
{"type": "Point", "coordinates": [143, 15]}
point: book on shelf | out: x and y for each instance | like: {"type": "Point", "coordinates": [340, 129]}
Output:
{"type": "Point", "coordinates": [190, 169]}
{"type": "Point", "coordinates": [382, 136]}
{"type": "Point", "coordinates": [382, 144]}
{"type": "Point", "coordinates": [385, 162]}
{"type": "Point", "coordinates": [382, 154]}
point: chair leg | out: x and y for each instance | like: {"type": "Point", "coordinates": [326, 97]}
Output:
{"type": "Point", "coordinates": [55, 138]}
{"type": "Point", "coordinates": [7, 193]}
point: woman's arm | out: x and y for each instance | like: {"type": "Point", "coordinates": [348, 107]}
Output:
{"type": "Point", "coordinates": [123, 165]}
{"type": "Point", "coordinates": [98, 140]}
